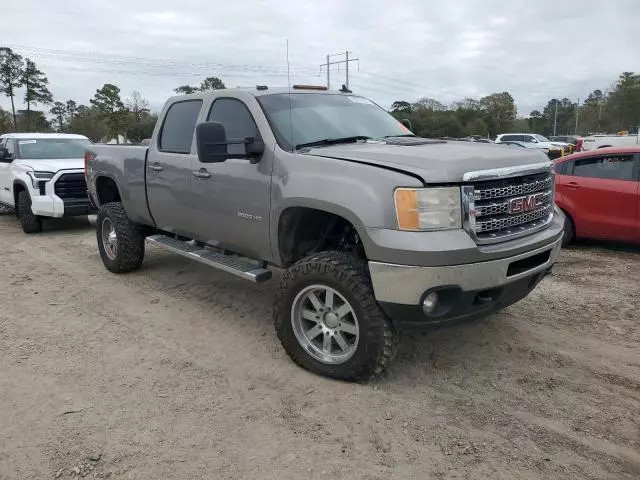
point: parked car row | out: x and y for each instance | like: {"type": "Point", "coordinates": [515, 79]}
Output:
{"type": "Point", "coordinates": [553, 149]}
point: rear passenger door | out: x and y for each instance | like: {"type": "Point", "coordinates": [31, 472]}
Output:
{"type": "Point", "coordinates": [169, 167]}
{"type": "Point", "coordinates": [604, 191]}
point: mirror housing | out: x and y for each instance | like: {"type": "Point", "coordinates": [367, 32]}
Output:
{"type": "Point", "coordinates": [5, 156]}
{"type": "Point", "coordinates": [211, 139]}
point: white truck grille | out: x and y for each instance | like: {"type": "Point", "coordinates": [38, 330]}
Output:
{"type": "Point", "coordinates": [508, 203]}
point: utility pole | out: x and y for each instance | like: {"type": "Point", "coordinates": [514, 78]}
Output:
{"type": "Point", "coordinates": [555, 119]}
{"type": "Point", "coordinates": [346, 54]}
{"type": "Point", "coordinates": [328, 73]}
{"type": "Point", "coordinates": [346, 61]}
{"type": "Point", "coordinates": [577, 114]}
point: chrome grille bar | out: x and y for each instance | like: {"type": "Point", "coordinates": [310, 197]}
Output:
{"type": "Point", "coordinates": [508, 203]}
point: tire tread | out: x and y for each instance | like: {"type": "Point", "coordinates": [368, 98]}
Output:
{"type": "Point", "coordinates": [130, 253]}
{"type": "Point", "coordinates": [352, 272]}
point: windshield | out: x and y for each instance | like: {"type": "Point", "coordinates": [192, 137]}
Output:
{"type": "Point", "coordinates": [51, 148]}
{"type": "Point", "coordinates": [318, 117]}
{"type": "Point", "coordinates": [540, 138]}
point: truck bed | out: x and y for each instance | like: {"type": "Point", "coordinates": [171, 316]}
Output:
{"type": "Point", "coordinates": [126, 165]}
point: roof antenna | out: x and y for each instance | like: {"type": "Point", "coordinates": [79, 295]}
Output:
{"type": "Point", "coordinates": [293, 144]}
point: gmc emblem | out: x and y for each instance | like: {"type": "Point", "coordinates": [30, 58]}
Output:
{"type": "Point", "coordinates": [525, 204]}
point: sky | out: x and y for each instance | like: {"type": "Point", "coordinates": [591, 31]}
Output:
{"type": "Point", "coordinates": [407, 49]}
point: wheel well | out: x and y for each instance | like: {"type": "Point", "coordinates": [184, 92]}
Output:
{"type": "Point", "coordinates": [303, 231]}
{"type": "Point", "coordinates": [107, 190]}
{"type": "Point", "coordinates": [17, 188]}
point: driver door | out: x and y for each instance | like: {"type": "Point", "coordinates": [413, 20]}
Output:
{"type": "Point", "coordinates": [230, 200]}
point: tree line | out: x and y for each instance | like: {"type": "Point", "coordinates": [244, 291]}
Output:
{"type": "Point", "coordinates": [616, 109]}
{"type": "Point", "coordinates": [108, 115]}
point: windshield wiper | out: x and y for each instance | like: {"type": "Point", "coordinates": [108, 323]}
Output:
{"type": "Point", "coordinates": [333, 141]}
{"type": "Point", "coordinates": [402, 135]}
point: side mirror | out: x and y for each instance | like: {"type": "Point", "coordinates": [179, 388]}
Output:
{"type": "Point", "coordinates": [5, 156]}
{"type": "Point", "coordinates": [407, 123]}
{"type": "Point", "coordinates": [212, 142]}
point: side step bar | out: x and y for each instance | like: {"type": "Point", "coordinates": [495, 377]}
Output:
{"type": "Point", "coordinates": [228, 263]}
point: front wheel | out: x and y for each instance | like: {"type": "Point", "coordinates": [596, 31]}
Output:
{"type": "Point", "coordinates": [30, 223]}
{"type": "Point", "coordinates": [328, 320]}
{"type": "Point", "coordinates": [569, 230]}
{"type": "Point", "coordinates": [120, 241]}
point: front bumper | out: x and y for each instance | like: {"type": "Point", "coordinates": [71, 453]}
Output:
{"type": "Point", "coordinates": [54, 206]}
{"type": "Point", "coordinates": [464, 291]}
{"type": "Point", "coordinates": [46, 202]}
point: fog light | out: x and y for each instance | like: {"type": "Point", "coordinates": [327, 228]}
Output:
{"type": "Point", "coordinates": [429, 303]}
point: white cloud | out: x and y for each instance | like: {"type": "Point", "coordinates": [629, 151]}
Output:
{"type": "Point", "coordinates": [407, 49]}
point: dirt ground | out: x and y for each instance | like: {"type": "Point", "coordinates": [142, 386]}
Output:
{"type": "Point", "coordinates": [175, 372]}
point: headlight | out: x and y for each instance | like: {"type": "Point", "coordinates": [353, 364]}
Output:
{"type": "Point", "coordinates": [40, 177]}
{"type": "Point", "coordinates": [422, 209]}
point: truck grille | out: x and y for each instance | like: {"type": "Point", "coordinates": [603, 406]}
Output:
{"type": "Point", "coordinates": [71, 185]}
{"type": "Point", "coordinates": [503, 208]}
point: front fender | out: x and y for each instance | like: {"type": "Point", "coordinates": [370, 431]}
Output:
{"type": "Point", "coordinates": [361, 194]}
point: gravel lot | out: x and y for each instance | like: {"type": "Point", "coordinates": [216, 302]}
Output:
{"type": "Point", "coordinates": [175, 372]}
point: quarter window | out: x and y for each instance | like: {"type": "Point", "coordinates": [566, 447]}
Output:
{"type": "Point", "coordinates": [612, 167]}
{"type": "Point", "coordinates": [179, 126]}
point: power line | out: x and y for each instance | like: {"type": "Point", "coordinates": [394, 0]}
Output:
{"type": "Point", "coordinates": [346, 61]}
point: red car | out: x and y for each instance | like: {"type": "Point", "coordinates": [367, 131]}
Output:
{"type": "Point", "coordinates": [599, 192]}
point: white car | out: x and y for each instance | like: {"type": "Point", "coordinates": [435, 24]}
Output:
{"type": "Point", "coordinates": [42, 175]}
{"type": "Point", "coordinates": [603, 141]}
{"type": "Point", "coordinates": [539, 140]}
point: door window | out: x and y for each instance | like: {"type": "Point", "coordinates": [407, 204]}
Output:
{"type": "Point", "coordinates": [237, 121]}
{"type": "Point", "coordinates": [611, 167]}
{"type": "Point", "coordinates": [179, 125]}
{"type": "Point", "coordinates": [10, 146]}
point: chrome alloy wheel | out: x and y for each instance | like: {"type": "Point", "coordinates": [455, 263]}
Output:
{"type": "Point", "coordinates": [325, 324]}
{"type": "Point", "coordinates": [109, 239]}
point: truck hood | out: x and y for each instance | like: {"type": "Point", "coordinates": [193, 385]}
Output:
{"type": "Point", "coordinates": [52, 165]}
{"type": "Point", "coordinates": [444, 162]}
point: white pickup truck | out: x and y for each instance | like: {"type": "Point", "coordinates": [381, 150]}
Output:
{"type": "Point", "coordinates": [593, 142]}
{"type": "Point", "coordinates": [42, 175]}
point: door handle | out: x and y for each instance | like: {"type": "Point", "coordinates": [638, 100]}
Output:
{"type": "Point", "coordinates": [202, 173]}
{"type": "Point", "coordinates": [573, 185]}
{"type": "Point", "coordinates": [156, 167]}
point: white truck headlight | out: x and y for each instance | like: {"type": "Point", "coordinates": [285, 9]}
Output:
{"type": "Point", "coordinates": [422, 209]}
{"type": "Point", "coordinates": [37, 177]}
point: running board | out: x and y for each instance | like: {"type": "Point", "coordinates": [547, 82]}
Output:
{"type": "Point", "coordinates": [228, 263]}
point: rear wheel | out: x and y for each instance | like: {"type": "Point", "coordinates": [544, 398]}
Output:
{"type": "Point", "coordinates": [328, 320]}
{"type": "Point", "coordinates": [30, 223]}
{"type": "Point", "coordinates": [569, 230]}
{"type": "Point", "coordinates": [120, 241]}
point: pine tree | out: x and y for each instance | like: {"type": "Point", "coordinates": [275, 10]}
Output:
{"type": "Point", "coordinates": [11, 71]}
{"type": "Point", "coordinates": [35, 83]}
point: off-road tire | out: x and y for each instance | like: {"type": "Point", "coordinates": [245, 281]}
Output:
{"type": "Point", "coordinates": [30, 223]}
{"type": "Point", "coordinates": [569, 230]}
{"type": "Point", "coordinates": [348, 274]}
{"type": "Point", "coordinates": [130, 239]}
